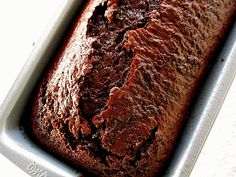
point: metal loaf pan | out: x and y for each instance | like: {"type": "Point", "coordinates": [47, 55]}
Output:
{"type": "Point", "coordinates": [28, 156]}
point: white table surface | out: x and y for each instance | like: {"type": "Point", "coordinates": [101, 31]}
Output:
{"type": "Point", "coordinates": [22, 23]}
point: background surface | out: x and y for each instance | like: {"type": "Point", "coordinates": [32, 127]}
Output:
{"type": "Point", "coordinates": [22, 23]}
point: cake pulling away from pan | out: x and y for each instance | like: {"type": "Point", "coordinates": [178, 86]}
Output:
{"type": "Point", "coordinates": [116, 95]}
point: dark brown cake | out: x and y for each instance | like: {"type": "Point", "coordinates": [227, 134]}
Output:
{"type": "Point", "coordinates": [116, 95]}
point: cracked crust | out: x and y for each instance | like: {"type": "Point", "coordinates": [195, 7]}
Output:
{"type": "Point", "coordinates": [116, 95]}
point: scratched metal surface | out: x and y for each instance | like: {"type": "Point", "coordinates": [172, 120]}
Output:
{"type": "Point", "coordinates": [33, 160]}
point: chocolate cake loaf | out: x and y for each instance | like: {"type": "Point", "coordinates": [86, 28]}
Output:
{"type": "Point", "coordinates": [116, 95]}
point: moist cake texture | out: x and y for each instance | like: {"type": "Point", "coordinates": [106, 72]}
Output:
{"type": "Point", "coordinates": [116, 95]}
